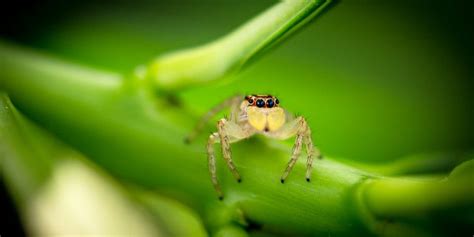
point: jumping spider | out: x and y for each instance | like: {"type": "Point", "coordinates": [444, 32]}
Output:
{"type": "Point", "coordinates": [255, 114]}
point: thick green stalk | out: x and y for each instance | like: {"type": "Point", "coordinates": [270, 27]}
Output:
{"type": "Point", "coordinates": [122, 126]}
{"type": "Point", "coordinates": [216, 59]}
{"type": "Point", "coordinates": [405, 198]}
{"type": "Point", "coordinates": [408, 206]}
{"type": "Point", "coordinates": [140, 138]}
{"type": "Point", "coordinates": [416, 164]}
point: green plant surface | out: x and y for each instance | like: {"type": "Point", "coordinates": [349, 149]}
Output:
{"type": "Point", "coordinates": [58, 192]}
{"type": "Point", "coordinates": [214, 60]}
{"type": "Point", "coordinates": [120, 122]}
{"type": "Point", "coordinates": [144, 135]}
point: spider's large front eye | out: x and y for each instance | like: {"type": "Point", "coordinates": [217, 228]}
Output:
{"type": "Point", "coordinates": [260, 103]}
{"type": "Point", "coordinates": [270, 103]}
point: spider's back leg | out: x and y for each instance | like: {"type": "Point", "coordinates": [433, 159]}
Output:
{"type": "Point", "coordinates": [230, 102]}
{"type": "Point", "coordinates": [211, 159]}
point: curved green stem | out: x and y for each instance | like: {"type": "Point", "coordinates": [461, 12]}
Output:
{"type": "Point", "coordinates": [124, 127]}
{"type": "Point", "coordinates": [138, 137]}
{"type": "Point", "coordinates": [229, 53]}
{"type": "Point", "coordinates": [416, 164]}
{"type": "Point", "coordinates": [412, 197]}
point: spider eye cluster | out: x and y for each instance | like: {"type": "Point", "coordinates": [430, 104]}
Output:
{"type": "Point", "coordinates": [262, 101]}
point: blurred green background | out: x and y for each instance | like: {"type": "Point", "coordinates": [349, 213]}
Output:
{"type": "Point", "coordinates": [377, 80]}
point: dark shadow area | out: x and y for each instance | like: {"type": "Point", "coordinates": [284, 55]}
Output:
{"type": "Point", "coordinates": [11, 225]}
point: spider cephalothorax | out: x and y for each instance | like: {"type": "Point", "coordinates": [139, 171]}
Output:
{"type": "Point", "coordinates": [256, 114]}
{"type": "Point", "coordinates": [263, 112]}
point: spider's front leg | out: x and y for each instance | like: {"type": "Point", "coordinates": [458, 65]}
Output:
{"type": "Point", "coordinates": [224, 129]}
{"type": "Point", "coordinates": [228, 132]}
{"type": "Point", "coordinates": [294, 157]}
{"type": "Point", "coordinates": [311, 150]}
{"type": "Point", "coordinates": [300, 128]}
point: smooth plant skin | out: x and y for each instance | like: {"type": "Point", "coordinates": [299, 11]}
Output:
{"type": "Point", "coordinates": [143, 144]}
{"type": "Point", "coordinates": [138, 138]}
{"type": "Point", "coordinates": [58, 192]}
{"type": "Point", "coordinates": [122, 124]}
{"type": "Point", "coordinates": [232, 52]}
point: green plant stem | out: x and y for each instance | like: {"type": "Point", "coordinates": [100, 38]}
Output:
{"type": "Point", "coordinates": [406, 198]}
{"type": "Point", "coordinates": [123, 127]}
{"type": "Point", "coordinates": [230, 53]}
{"type": "Point", "coordinates": [140, 139]}
{"type": "Point", "coordinates": [424, 163]}
{"type": "Point", "coordinates": [17, 165]}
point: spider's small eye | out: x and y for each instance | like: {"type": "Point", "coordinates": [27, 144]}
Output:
{"type": "Point", "coordinates": [250, 100]}
{"type": "Point", "coordinates": [260, 103]}
{"type": "Point", "coordinates": [270, 103]}
{"type": "Point", "coordinates": [277, 101]}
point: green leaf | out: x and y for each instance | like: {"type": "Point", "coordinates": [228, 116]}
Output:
{"type": "Point", "coordinates": [58, 192]}
{"type": "Point", "coordinates": [230, 53]}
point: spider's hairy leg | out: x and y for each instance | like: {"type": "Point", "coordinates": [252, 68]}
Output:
{"type": "Point", "coordinates": [211, 159]}
{"type": "Point", "coordinates": [311, 151]}
{"type": "Point", "coordinates": [230, 102]}
{"type": "Point", "coordinates": [299, 127]}
{"type": "Point", "coordinates": [294, 156]}
{"type": "Point", "coordinates": [228, 132]}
